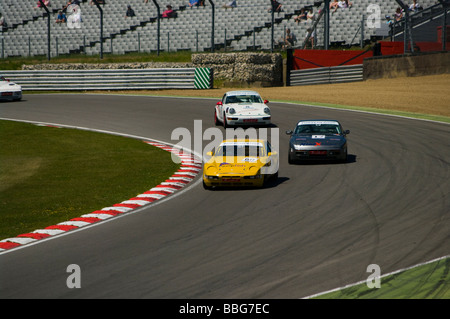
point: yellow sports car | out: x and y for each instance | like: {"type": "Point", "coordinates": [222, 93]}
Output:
{"type": "Point", "coordinates": [240, 162]}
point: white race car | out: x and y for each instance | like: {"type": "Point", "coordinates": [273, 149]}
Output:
{"type": "Point", "coordinates": [242, 108]}
{"type": "Point", "coordinates": [9, 91]}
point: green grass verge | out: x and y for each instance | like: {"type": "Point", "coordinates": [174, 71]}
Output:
{"type": "Point", "coordinates": [430, 117]}
{"type": "Point", "coordinates": [50, 175]}
{"type": "Point", "coordinates": [430, 281]}
{"type": "Point", "coordinates": [15, 63]}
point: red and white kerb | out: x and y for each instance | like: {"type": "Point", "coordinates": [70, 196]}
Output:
{"type": "Point", "coordinates": [189, 169]}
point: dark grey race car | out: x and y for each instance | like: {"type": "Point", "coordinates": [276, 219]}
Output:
{"type": "Point", "coordinates": [316, 140]}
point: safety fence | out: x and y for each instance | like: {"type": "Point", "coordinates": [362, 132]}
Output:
{"type": "Point", "coordinates": [117, 79]}
{"type": "Point", "coordinates": [327, 75]}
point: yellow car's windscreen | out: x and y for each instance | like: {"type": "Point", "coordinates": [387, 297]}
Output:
{"type": "Point", "coordinates": [240, 150]}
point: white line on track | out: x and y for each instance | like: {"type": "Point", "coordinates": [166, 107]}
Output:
{"type": "Point", "coordinates": [383, 276]}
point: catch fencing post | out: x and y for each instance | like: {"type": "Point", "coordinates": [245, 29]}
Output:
{"type": "Point", "coordinates": [158, 12]}
{"type": "Point", "coordinates": [101, 28]}
{"type": "Point", "coordinates": [213, 9]}
{"type": "Point", "coordinates": [407, 30]}
{"type": "Point", "coordinates": [48, 28]}
{"type": "Point", "coordinates": [326, 29]}
{"type": "Point", "coordinates": [445, 6]}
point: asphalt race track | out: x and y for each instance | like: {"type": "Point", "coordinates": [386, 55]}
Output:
{"type": "Point", "coordinates": [317, 228]}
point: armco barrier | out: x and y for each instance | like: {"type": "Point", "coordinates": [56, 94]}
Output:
{"type": "Point", "coordinates": [106, 79]}
{"type": "Point", "coordinates": [327, 75]}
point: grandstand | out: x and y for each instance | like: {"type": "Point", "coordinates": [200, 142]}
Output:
{"type": "Point", "coordinates": [246, 27]}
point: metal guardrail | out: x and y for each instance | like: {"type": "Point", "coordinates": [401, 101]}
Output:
{"type": "Point", "coordinates": [327, 75]}
{"type": "Point", "coordinates": [117, 79]}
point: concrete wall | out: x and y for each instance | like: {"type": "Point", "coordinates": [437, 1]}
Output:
{"type": "Point", "coordinates": [407, 65]}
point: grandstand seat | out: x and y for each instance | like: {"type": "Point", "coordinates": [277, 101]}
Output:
{"type": "Point", "coordinates": [239, 24]}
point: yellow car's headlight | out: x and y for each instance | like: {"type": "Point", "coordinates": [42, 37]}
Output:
{"type": "Point", "coordinates": [253, 170]}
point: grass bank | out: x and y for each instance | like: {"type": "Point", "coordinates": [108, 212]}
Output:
{"type": "Point", "coordinates": [430, 281]}
{"type": "Point", "coordinates": [49, 175]}
{"type": "Point", "coordinates": [15, 63]}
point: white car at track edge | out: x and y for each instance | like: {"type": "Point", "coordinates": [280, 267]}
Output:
{"type": "Point", "coordinates": [9, 91]}
{"type": "Point", "coordinates": [242, 108]}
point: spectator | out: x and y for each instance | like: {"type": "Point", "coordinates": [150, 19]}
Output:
{"type": "Point", "coordinates": [3, 24]}
{"type": "Point", "coordinates": [98, 1]}
{"type": "Point", "coordinates": [415, 6]}
{"type": "Point", "coordinates": [74, 2]}
{"type": "Point", "coordinates": [334, 5]}
{"type": "Point", "coordinates": [231, 4]}
{"type": "Point", "coordinates": [398, 15]}
{"type": "Point", "coordinates": [303, 16]}
{"type": "Point", "coordinates": [312, 36]}
{"type": "Point", "coordinates": [290, 39]}
{"type": "Point", "coordinates": [130, 12]}
{"type": "Point", "coordinates": [61, 18]}
{"type": "Point", "coordinates": [46, 3]}
{"type": "Point", "coordinates": [194, 3]}
{"type": "Point", "coordinates": [311, 16]}
{"type": "Point", "coordinates": [276, 6]}
{"type": "Point", "coordinates": [169, 13]}
{"type": "Point", "coordinates": [345, 4]}
{"type": "Point", "coordinates": [389, 21]}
